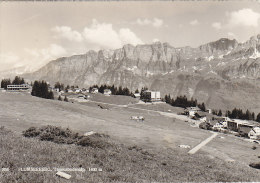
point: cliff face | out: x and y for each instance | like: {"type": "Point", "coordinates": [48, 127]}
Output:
{"type": "Point", "coordinates": [212, 72]}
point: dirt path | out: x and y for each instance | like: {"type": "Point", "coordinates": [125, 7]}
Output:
{"type": "Point", "coordinates": [203, 143]}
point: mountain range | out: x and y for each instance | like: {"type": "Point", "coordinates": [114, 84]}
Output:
{"type": "Point", "coordinates": [223, 74]}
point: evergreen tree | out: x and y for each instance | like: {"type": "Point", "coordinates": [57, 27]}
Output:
{"type": "Point", "coordinates": [253, 116]}
{"type": "Point", "coordinates": [5, 82]}
{"type": "Point", "coordinates": [66, 99]}
{"type": "Point", "coordinates": [40, 89]}
{"type": "Point", "coordinates": [202, 107]}
{"type": "Point", "coordinates": [50, 95]}
{"type": "Point", "coordinates": [18, 81]}
{"type": "Point", "coordinates": [60, 98]}
{"type": "Point", "coordinates": [258, 117]}
{"type": "Point", "coordinates": [59, 86]}
{"type": "Point", "coordinates": [142, 95]}
{"type": "Point", "coordinates": [219, 112]}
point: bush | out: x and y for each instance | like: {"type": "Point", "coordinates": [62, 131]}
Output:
{"type": "Point", "coordinates": [47, 136]}
{"type": "Point", "coordinates": [31, 132]}
{"type": "Point", "coordinates": [66, 136]}
{"type": "Point", "coordinates": [255, 165]}
{"type": "Point", "coordinates": [94, 141]}
{"type": "Point", "coordinates": [205, 125]}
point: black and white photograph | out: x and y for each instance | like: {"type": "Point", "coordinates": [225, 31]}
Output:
{"type": "Point", "coordinates": [129, 91]}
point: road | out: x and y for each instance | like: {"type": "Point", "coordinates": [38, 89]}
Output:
{"type": "Point", "coordinates": [203, 143]}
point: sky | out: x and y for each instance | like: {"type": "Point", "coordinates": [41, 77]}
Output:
{"type": "Point", "coordinates": [34, 33]}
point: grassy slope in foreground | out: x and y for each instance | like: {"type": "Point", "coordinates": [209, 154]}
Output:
{"type": "Point", "coordinates": [119, 163]}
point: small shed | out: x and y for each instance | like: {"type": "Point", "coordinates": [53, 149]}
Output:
{"type": "Point", "coordinates": [254, 133]}
{"type": "Point", "coordinates": [137, 95]}
{"type": "Point", "coordinates": [107, 92]}
{"type": "Point", "coordinates": [94, 90]}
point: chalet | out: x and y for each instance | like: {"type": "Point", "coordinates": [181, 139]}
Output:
{"type": "Point", "coordinates": [254, 133]}
{"type": "Point", "coordinates": [151, 96]}
{"type": "Point", "coordinates": [243, 127]}
{"type": "Point", "coordinates": [56, 89]}
{"type": "Point", "coordinates": [232, 125]}
{"type": "Point", "coordinates": [18, 87]}
{"type": "Point", "coordinates": [84, 90]}
{"type": "Point", "coordinates": [107, 92]}
{"type": "Point", "coordinates": [70, 90]}
{"type": "Point", "coordinates": [81, 97]}
{"type": "Point", "coordinates": [94, 90]}
{"type": "Point", "coordinates": [209, 111]}
{"type": "Point", "coordinates": [137, 95]}
{"type": "Point", "coordinates": [77, 90]}
{"type": "Point", "coordinates": [191, 111]}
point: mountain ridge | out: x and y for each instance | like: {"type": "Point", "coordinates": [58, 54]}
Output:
{"type": "Point", "coordinates": [185, 70]}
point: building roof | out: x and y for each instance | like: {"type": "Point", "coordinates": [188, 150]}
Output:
{"type": "Point", "coordinates": [137, 94]}
{"type": "Point", "coordinates": [245, 122]}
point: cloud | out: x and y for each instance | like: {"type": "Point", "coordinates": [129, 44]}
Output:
{"type": "Point", "coordinates": [67, 33]}
{"type": "Point", "coordinates": [231, 34]}
{"type": "Point", "coordinates": [244, 17]}
{"type": "Point", "coordinates": [216, 25]}
{"type": "Point", "coordinates": [155, 22]}
{"type": "Point", "coordinates": [155, 40]}
{"type": "Point", "coordinates": [104, 36]}
{"type": "Point", "coordinates": [128, 37]}
{"type": "Point", "coordinates": [38, 57]}
{"type": "Point", "coordinates": [8, 60]}
{"type": "Point", "coordinates": [194, 22]}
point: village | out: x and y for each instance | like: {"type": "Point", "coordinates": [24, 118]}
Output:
{"type": "Point", "coordinates": [247, 129]}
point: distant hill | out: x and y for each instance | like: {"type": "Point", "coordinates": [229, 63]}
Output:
{"type": "Point", "coordinates": [223, 73]}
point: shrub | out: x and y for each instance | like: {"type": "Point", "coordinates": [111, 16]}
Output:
{"type": "Point", "coordinates": [47, 136]}
{"type": "Point", "coordinates": [66, 136]}
{"type": "Point", "coordinates": [255, 165]}
{"type": "Point", "coordinates": [31, 132]}
{"type": "Point", "coordinates": [93, 141]}
{"type": "Point", "coordinates": [205, 125]}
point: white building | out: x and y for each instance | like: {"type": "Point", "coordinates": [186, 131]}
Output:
{"type": "Point", "coordinates": [137, 95]}
{"type": "Point", "coordinates": [209, 111]}
{"type": "Point", "coordinates": [192, 111]}
{"type": "Point", "coordinates": [94, 90]}
{"type": "Point", "coordinates": [18, 87]}
{"type": "Point", "coordinates": [107, 92]}
{"type": "Point", "coordinates": [77, 90]}
{"type": "Point", "coordinates": [254, 133]}
{"type": "Point", "coordinates": [151, 96]}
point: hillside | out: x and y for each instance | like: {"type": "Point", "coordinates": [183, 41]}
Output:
{"type": "Point", "coordinates": [140, 152]}
{"type": "Point", "coordinates": [212, 72]}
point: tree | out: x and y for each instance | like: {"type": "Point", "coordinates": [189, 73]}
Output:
{"type": "Point", "coordinates": [50, 95]}
{"type": "Point", "coordinates": [66, 99]}
{"type": "Point", "coordinates": [40, 89]}
{"type": "Point", "coordinates": [258, 117]}
{"type": "Point", "coordinates": [60, 98]}
{"type": "Point", "coordinates": [253, 116]}
{"type": "Point", "coordinates": [142, 93]}
{"type": "Point", "coordinates": [59, 85]}
{"type": "Point", "coordinates": [5, 82]}
{"type": "Point", "coordinates": [18, 81]}
{"type": "Point", "coordinates": [202, 107]}
{"type": "Point", "coordinates": [167, 99]}
{"type": "Point", "coordinates": [136, 91]}
{"type": "Point", "coordinates": [219, 112]}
